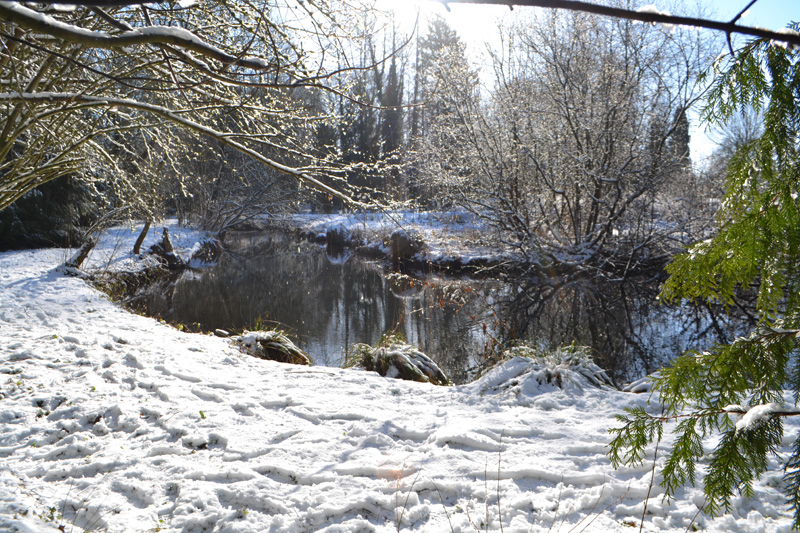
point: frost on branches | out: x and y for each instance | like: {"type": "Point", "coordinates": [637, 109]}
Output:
{"type": "Point", "coordinates": [155, 101]}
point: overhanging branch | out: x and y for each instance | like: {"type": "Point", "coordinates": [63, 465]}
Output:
{"type": "Point", "coordinates": [188, 124]}
{"type": "Point", "coordinates": [786, 35]}
{"type": "Point", "coordinates": [157, 35]}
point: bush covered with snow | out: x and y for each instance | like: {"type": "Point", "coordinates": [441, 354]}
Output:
{"type": "Point", "coordinates": [394, 358]}
{"type": "Point", "coordinates": [271, 345]}
{"type": "Point", "coordinates": [528, 371]}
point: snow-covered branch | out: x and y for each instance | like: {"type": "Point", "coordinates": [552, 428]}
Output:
{"type": "Point", "coordinates": [156, 35]}
{"type": "Point", "coordinates": [172, 116]}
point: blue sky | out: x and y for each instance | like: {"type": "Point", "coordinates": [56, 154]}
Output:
{"type": "Point", "coordinates": [771, 14]}
{"type": "Point", "coordinates": [476, 22]}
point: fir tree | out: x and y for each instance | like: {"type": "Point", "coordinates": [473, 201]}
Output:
{"type": "Point", "coordinates": [757, 244]}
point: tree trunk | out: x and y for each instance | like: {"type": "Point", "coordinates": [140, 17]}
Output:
{"type": "Point", "coordinates": [137, 247]}
{"type": "Point", "coordinates": [80, 256]}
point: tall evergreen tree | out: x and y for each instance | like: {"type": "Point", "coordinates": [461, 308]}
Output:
{"type": "Point", "coordinates": [444, 81]}
{"type": "Point", "coordinates": [392, 122]}
{"type": "Point", "coordinates": [679, 142]}
{"type": "Point", "coordinates": [392, 113]}
{"type": "Point", "coordinates": [440, 55]}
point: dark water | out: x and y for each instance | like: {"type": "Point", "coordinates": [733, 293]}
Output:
{"type": "Point", "coordinates": [329, 303]}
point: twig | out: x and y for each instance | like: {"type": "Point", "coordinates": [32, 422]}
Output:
{"type": "Point", "coordinates": [499, 455]}
{"type": "Point", "coordinates": [602, 489]}
{"type": "Point", "coordinates": [650, 487]}
{"type": "Point", "coordinates": [405, 503]}
{"type": "Point", "coordinates": [64, 507]}
{"type": "Point", "coordinates": [558, 504]}
{"type": "Point", "coordinates": [606, 508]}
{"type": "Point", "coordinates": [743, 11]}
{"type": "Point", "coordinates": [486, 491]}
{"type": "Point", "coordinates": [699, 510]}
{"type": "Point", "coordinates": [469, 518]}
{"type": "Point", "coordinates": [441, 499]}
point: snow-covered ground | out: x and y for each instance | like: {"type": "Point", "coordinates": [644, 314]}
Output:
{"type": "Point", "coordinates": [449, 235]}
{"type": "Point", "coordinates": [111, 421]}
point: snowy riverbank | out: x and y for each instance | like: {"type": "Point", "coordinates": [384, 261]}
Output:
{"type": "Point", "coordinates": [112, 421]}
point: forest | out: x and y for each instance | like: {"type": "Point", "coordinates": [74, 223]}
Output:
{"type": "Point", "coordinates": [573, 147]}
{"type": "Point", "coordinates": [565, 145]}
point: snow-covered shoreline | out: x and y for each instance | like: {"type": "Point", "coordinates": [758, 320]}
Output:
{"type": "Point", "coordinates": [450, 237]}
{"type": "Point", "coordinates": [118, 422]}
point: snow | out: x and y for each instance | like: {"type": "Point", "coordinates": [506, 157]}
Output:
{"type": "Point", "coordinates": [757, 415]}
{"type": "Point", "coordinates": [452, 235]}
{"type": "Point", "coordinates": [47, 20]}
{"type": "Point", "coordinates": [114, 421]}
{"type": "Point", "coordinates": [651, 9]}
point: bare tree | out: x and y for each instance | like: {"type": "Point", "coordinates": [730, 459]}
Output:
{"type": "Point", "coordinates": [572, 157]}
{"type": "Point", "coordinates": [111, 93]}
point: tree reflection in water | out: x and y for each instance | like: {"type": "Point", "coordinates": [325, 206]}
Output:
{"type": "Point", "coordinates": [330, 302]}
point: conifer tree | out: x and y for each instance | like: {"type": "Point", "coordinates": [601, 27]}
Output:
{"type": "Point", "coordinates": [737, 391]}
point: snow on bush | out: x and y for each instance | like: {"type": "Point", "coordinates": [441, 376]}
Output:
{"type": "Point", "coordinates": [272, 345]}
{"type": "Point", "coordinates": [527, 371]}
{"type": "Point", "coordinates": [396, 359]}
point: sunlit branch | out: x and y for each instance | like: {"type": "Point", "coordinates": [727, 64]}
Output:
{"type": "Point", "coordinates": [156, 35]}
{"type": "Point", "coordinates": [184, 122]}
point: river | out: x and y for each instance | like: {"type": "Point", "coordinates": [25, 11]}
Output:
{"type": "Point", "coordinates": [328, 303]}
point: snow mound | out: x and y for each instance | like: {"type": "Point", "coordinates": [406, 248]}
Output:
{"type": "Point", "coordinates": [271, 345]}
{"type": "Point", "coordinates": [529, 372]}
{"type": "Point", "coordinates": [402, 361]}
{"type": "Point", "coordinates": [639, 386]}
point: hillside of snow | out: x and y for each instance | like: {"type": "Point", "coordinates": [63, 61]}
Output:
{"type": "Point", "coordinates": [115, 422]}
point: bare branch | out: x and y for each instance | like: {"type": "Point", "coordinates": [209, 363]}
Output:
{"type": "Point", "coordinates": [186, 123]}
{"type": "Point", "coordinates": [786, 36]}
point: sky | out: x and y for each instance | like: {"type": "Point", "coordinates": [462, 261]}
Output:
{"type": "Point", "coordinates": [474, 22]}
{"type": "Point", "coordinates": [771, 14]}
{"type": "Point", "coordinates": [476, 26]}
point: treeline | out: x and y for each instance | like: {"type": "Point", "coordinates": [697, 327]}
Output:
{"type": "Point", "coordinates": [572, 145]}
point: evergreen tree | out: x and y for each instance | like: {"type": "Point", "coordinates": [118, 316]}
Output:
{"type": "Point", "coordinates": [757, 245]}
{"type": "Point", "coordinates": [444, 81]}
{"type": "Point", "coordinates": [679, 142]}
{"type": "Point", "coordinates": [392, 123]}
{"type": "Point", "coordinates": [441, 54]}
{"type": "Point", "coordinates": [392, 120]}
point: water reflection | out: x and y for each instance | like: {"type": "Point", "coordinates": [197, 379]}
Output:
{"type": "Point", "coordinates": [630, 333]}
{"type": "Point", "coordinates": [331, 301]}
